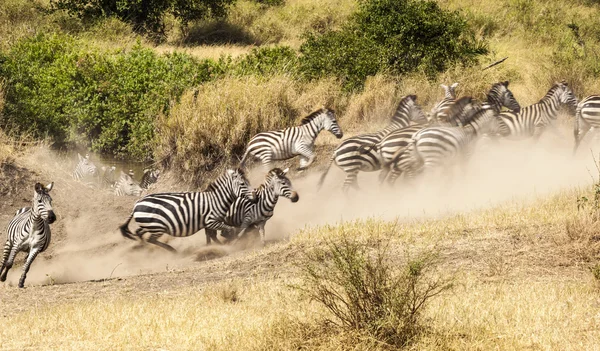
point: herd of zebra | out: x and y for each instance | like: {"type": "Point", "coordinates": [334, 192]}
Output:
{"type": "Point", "coordinates": [412, 144]}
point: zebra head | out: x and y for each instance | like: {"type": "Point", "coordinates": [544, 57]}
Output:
{"type": "Point", "coordinates": [499, 95]}
{"type": "Point", "coordinates": [42, 203]}
{"type": "Point", "coordinates": [281, 184]}
{"type": "Point", "coordinates": [411, 110]}
{"type": "Point", "coordinates": [238, 184]}
{"type": "Point", "coordinates": [127, 186]}
{"type": "Point", "coordinates": [566, 96]}
{"type": "Point", "coordinates": [85, 167]}
{"type": "Point", "coordinates": [449, 91]}
{"type": "Point", "coordinates": [150, 177]}
{"type": "Point", "coordinates": [328, 120]}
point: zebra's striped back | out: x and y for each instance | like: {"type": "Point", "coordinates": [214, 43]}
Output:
{"type": "Point", "coordinates": [290, 142]}
{"type": "Point", "coordinates": [243, 213]}
{"type": "Point", "coordinates": [150, 177]}
{"type": "Point", "coordinates": [439, 113]}
{"type": "Point", "coordinates": [85, 169]}
{"type": "Point", "coordinates": [534, 119]}
{"type": "Point", "coordinates": [587, 116]}
{"type": "Point", "coordinates": [183, 214]}
{"type": "Point", "coordinates": [29, 231]}
{"type": "Point", "coordinates": [359, 153]}
{"type": "Point", "coordinates": [126, 186]}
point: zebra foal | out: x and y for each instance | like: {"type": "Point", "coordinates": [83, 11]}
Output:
{"type": "Point", "coordinates": [29, 231]}
{"type": "Point", "coordinates": [85, 169]}
{"type": "Point", "coordinates": [126, 186]}
{"type": "Point", "coordinates": [290, 142]}
{"type": "Point", "coordinates": [184, 214]}
{"type": "Point", "coordinates": [242, 214]}
{"type": "Point", "coordinates": [150, 177]}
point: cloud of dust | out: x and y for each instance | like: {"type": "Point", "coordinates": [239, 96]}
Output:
{"type": "Point", "coordinates": [87, 244]}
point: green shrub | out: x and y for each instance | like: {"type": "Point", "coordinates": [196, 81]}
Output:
{"type": "Point", "coordinates": [267, 61]}
{"type": "Point", "coordinates": [57, 87]}
{"type": "Point", "coordinates": [395, 36]}
{"type": "Point", "coordinates": [365, 293]}
{"type": "Point", "coordinates": [147, 16]}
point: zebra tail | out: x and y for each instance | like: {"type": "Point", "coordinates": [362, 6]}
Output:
{"type": "Point", "coordinates": [322, 179]}
{"type": "Point", "coordinates": [125, 228]}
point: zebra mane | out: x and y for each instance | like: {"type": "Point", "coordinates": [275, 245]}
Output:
{"type": "Point", "coordinates": [551, 92]}
{"type": "Point", "coordinates": [463, 110]}
{"type": "Point", "coordinates": [314, 115]}
{"type": "Point", "coordinates": [214, 184]}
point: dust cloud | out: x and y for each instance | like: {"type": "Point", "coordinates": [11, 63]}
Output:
{"type": "Point", "coordinates": [87, 245]}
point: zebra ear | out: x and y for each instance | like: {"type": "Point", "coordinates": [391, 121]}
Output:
{"type": "Point", "coordinates": [286, 170]}
{"type": "Point", "coordinates": [79, 156]}
{"type": "Point", "coordinates": [505, 83]}
{"type": "Point", "coordinates": [444, 86]}
{"type": "Point", "coordinates": [454, 85]}
{"type": "Point", "coordinates": [49, 187]}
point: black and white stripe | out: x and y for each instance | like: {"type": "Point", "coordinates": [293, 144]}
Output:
{"type": "Point", "coordinates": [109, 177]}
{"type": "Point", "coordinates": [358, 154]}
{"type": "Point", "coordinates": [532, 120]}
{"type": "Point", "coordinates": [183, 214]}
{"type": "Point", "coordinates": [587, 116]}
{"type": "Point", "coordinates": [85, 170]}
{"type": "Point", "coordinates": [293, 141]}
{"type": "Point", "coordinates": [29, 231]}
{"type": "Point", "coordinates": [150, 177]}
{"type": "Point", "coordinates": [126, 186]}
{"type": "Point", "coordinates": [443, 144]}
{"type": "Point", "coordinates": [243, 214]}
{"type": "Point", "coordinates": [439, 112]}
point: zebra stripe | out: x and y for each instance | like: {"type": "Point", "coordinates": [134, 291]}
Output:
{"type": "Point", "coordinates": [126, 186]}
{"type": "Point", "coordinates": [243, 214]}
{"type": "Point", "coordinates": [29, 231]}
{"type": "Point", "coordinates": [587, 117]}
{"type": "Point", "coordinates": [532, 120]}
{"type": "Point", "coordinates": [439, 112]}
{"type": "Point", "coordinates": [476, 120]}
{"type": "Point", "coordinates": [183, 214]}
{"type": "Point", "coordinates": [84, 168]}
{"type": "Point", "coordinates": [108, 177]}
{"type": "Point", "coordinates": [150, 177]}
{"type": "Point", "coordinates": [290, 142]}
{"type": "Point", "coordinates": [358, 153]}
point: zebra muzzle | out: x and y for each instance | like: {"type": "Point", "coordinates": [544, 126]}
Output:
{"type": "Point", "coordinates": [294, 197]}
{"type": "Point", "coordinates": [51, 217]}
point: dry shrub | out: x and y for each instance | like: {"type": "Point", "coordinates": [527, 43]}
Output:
{"type": "Point", "coordinates": [367, 295]}
{"type": "Point", "coordinates": [375, 103]}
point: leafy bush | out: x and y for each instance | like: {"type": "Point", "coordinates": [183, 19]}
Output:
{"type": "Point", "coordinates": [397, 36]}
{"type": "Point", "coordinates": [56, 87]}
{"type": "Point", "coordinates": [267, 61]}
{"type": "Point", "coordinates": [146, 16]}
{"type": "Point", "coordinates": [365, 294]}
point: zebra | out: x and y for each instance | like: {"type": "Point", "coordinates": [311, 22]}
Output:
{"type": "Point", "coordinates": [183, 214]}
{"type": "Point", "coordinates": [532, 120]}
{"type": "Point", "coordinates": [108, 177]}
{"type": "Point", "coordinates": [439, 112]}
{"type": "Point", "coordinates": [359, 154]}
{"type": "Point", "coordinates": [126, 186]}
{"type": "Point", "coordinates": [287, 143]}
{"type": "Point", "coordinates": [29, 231]}
{"type": "Point", "coordinates": [587, 116]}
{"type": "Point", "coordinates": [150, 177]}
{"type": "Point", "coordinates": [242, 214]}
{"type": "Point", "coordinates": [392, 146]}
{"type": "Point", "coordinates": [85, 168]}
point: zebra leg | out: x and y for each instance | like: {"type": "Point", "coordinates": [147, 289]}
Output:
{"type": "Point", "coordinates": [211, 234]}
{"type": "Point", "coordinates": [385, 171]}
{"type": "Point", "coordinates": [261, 230]}
{"type": "Point", "coordinates": [153, 239]}
{"type": "Point", "coordinates": [212, 225]}
{"type": "Point", "coordinates": [8, 260]}
{"type": "Point", "coordinates": [266, 163]}
{"type": "Point", "coordinates": [32, 254]}
{"type": "Point", "coordinates": [351, 181]}
{"type": "Point", "coordinates": [306, 159]}
{"type": "Point", "coordinates": [580, 133]}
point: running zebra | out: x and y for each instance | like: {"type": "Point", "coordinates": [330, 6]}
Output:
{"type": "Point", "coordinates": [392, 146]}
{"type": "Point", "coordinates": [183, 214]}
{"type": "Point", "coordinates": [29, 231]}
{"type": "Point", "coordinates": [126, 186]}
{"type": "Point", "coordinates": [287, 143]}
{"type": "Point", "coordinates": [150, 177]}
{"type": "Point", "coordinates": [85, 168]}
{"type": "Point", "coordinates": [532, 120]}
{"type": "Point", "coordinates": [359, 153]}
{"type": "Point", "coordinates": [243, 214]}
{"type": "Point", "coordinates": [439, 113]}
{"type": "Point", "coordinates": [587, 117]}
{"type": "Point", "coordinates": [108, 177]}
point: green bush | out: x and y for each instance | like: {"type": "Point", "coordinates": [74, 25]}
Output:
{"type": "Point", "coordinates": [395, 36]}
{"type": "Point", "coordinates": [267, 61]}
{"type": "Point", "coordinates": [147, 16]}
{"type": "Point", "coordinates": [58, 88]}
{"type": "Point", "coordinates": [366, 293]}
